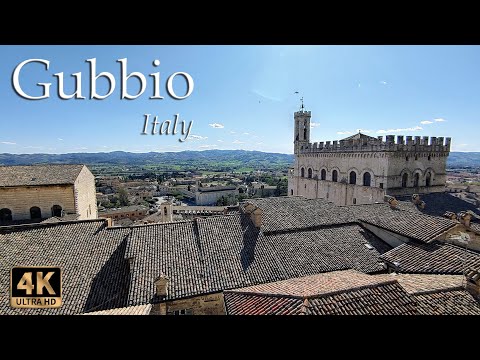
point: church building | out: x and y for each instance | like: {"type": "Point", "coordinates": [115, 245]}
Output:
{"type": "Point", "coordinates": [362, 169]}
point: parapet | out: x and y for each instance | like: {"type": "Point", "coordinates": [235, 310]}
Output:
{"type": "Point", "coordinates": [303, 113]}
{"type": "Point", "coordinates": [400, 143]}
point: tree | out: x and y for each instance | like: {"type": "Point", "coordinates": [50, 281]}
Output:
{"type": "Point", "coordinates": [123, 197]}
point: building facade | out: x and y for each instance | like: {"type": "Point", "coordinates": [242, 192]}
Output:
{"type": "Point", "coordinates": [32, 193]}
{"type": "Point", "coordinates": [210, 195]}
{"type": "Point", "coordinates": [361, 169]}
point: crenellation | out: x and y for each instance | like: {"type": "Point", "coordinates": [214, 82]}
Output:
{"type": "Point", "coordinates": [390, 139]}
{"type": "Point", "coordinates": [424, 140]}
{"type": "Point", "coordinates": [433, 141]}
{"type": "Point", "coordinates": [408, 140]}
{"type": "Point", "coordinates": [400, 140]}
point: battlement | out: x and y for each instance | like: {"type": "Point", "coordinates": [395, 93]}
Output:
{"type": "Point", "coordinates": [303, 113]}
{"type": "Point", "coordinates": [406, 144]}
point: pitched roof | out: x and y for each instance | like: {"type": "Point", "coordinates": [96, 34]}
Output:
{"type": "Point", "coordinates": [422, 283]}
{"type": "Point", "coordinates": [94, 270]}
{"type": "Point", "coordinates": [66, 217]}
{"type": "Point", "coordinates": [336, 293]}
{"type": "Point", "coordinates": [362, 136]}
{"type": "Point", "coordinates": [226, 252]}
{"type": "Point", "coordinates": [129, 310]}
{"type": "Point", "coordinates": [433, 258]}
{"type": "Point", "coordinates": [296, 212]}
{"type": "Point", "coordinates": [414, 225]}
{"type": "Point", "coordinates": [34, 175]}
{"type": "Point", "coordinates": [448, 302]}
{"type": "Point", "coordinates": [439, 203]}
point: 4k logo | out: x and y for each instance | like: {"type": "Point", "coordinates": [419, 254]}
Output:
{"type": "Point", "coordinates": [36, 287]}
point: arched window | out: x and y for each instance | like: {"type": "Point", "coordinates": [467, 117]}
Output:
{"type": "Point", "coordinates": [310, 173]}
{"type": "Point", "coordinates": [302, 172]}
{"type": "Point", "coordinates": [165, 211]}
{"type": "Point", "coordinates": [35, 213]}
{"type": "Point", "coordinates": [416, 157]}
{"type": "Point", "coordinates": [428, 179]}
{"type": "Point", "coordinates": [57, 210]}
{"type": "Point", "coordinates": [305, 131]}
{"type": "Point", "coordinates": [335, 175]}
{"type": "Point", "coordinates": [366, 179]}
{"type": "Point", "coordinates": [323, 174]}
{"type": "Point", "coordinates": [291, 192]}
{"type": "Point", "coordinates": [429, 158]}
{"type": "Point", "coordinates": [416, 179]}
{"type": "Point", "coordinates": [353, 177]}
{"type": "Point", "coordinates": [404, 180]}
{"type": "Point", "coordinates": [5, 215]}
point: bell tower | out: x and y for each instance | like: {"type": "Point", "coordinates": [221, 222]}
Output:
{"type": "Point", "coordinates": [302, 129]}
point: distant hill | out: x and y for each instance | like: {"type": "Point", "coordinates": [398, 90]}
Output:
{"type": "Point", "coordinates": [214, 159]}
{"type": "Point", "coordinates": [208, 159]}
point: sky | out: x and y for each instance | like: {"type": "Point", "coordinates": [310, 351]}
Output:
{"type": "Point", "coordinates": [243, 97]}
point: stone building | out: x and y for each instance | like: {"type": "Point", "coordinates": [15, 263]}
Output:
{"type": "Point", "coordinates": [210, 195]}
{"type": "Point", "coordinates": [32, 193]}
{"type": "Point", "coordinates": [361, 169]}
{"type": "Point", "coordinates": [132, 212]}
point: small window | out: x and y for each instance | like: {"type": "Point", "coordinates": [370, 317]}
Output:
{"type": "Point", "coordinates": [5, 215]}
{"type": "Point", "coordinates": [165, 211]}
{"type": "Point", "coordinates": [428, 179]}
{"type": "Point", "coordinates": [416, 157]}
{"type": "Point", "coordinates": [323, 174]}
{"type": "Point", "coordinates": [305, 186]}
{"type": "Point", "coordinates": [57, 210]}
{"type": "Point", "coordinates": [302, 172]}
{"type": "Point", "coordinates": [335, 175]}
{"type": "Point", "coordinates": [310, 173]}
{"type": "Point", "coordinates": [353, 177]}
{"type": "Point", "coordinates": [416, 180]}
{"type": "Point", "coordinates": [406, 158]}
{"type": "Point", "coordinates": [354, 201]}
{"type": "Point", "coordinates": [182, 312]}
{"type": "Point", "coordinates": [291, 192]}
{"type": "Point", "coordinates": [429, 158]}
{"type": "Point", "coordinates": [381, 185]}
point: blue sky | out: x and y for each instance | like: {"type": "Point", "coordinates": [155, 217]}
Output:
{"type": "Point", "coordinates": [243, 97]}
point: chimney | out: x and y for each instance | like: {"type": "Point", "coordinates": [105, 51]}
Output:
{"type": "Point", "coordinates": [161, 284]}
{"type": "Point", "coordinates": [450, 215]}
{"type": "Point", "coordinates": [464, 218]}
{"type": "Point", "coordinates": [254, 213]}
{"type": "Point", "coordinates": [391, 201]}
{"type": "Point", "coordinates": [416, 199]}
{"type": "Point", "coordinates": [109, 222]}
{"type": "Point", "coordinates": [472, 278]}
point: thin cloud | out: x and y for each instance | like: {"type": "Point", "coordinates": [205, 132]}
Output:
{"type": "Point", "coordinates": [426, 122]}
{"type": "Point", "coordinates": [416, 128]}
{"type": "Point", "coordinates": [59, 139]}
{"type": "Point", "coordinates": [196, 137]}
{"type": "Point", "coordinates": [8, 143]}
{"type": "Point", "coordinates": [232, 132]}
{"type": "Point", "coordinates": [364, 131]}
{"type": "Point", "coordinates": [220, 140]}
{"type": "Point", "coordinates": [383, 82]}
{"type": "Point", "coordinates": [359, 85]}
{"type": "Point", "coordinates": [439, 120]}
{"type": "Point", "coordinates": [314, 124]}
{"type": "Point", "coordinates": [344, 132]}
{"type": "Point", "coordinates": [245, 133]}
{"type": "Point", "coordinates": [265, 96]}
{"type": "Point", "coordinates": [259, 143]}
{"type": "Point", "coordinates": [207, 146]}
{"type": "Point", "coordinates": [238, 142]}
{"type": "Point", "coordinates": [216, 126]}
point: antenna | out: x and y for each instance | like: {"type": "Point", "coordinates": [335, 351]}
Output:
{"type": "Point", "coordinates": [302, 108]}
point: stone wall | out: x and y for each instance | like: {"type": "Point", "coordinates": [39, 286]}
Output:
{"type": "Point", "coordinates": [20, 199]}
{"type": "Point", "coordinates": [85, 195]}
{"type": "Point", "coordinates": [211, 197]}
{"type": "Point", "coordinates": [211, 304]}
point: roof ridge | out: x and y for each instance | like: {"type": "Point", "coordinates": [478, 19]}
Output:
{"type": "Point", "coordinates": [354, 288]}
{"type": "Point", "coordinates": [310, 228]}
{"type": "Point", "coordinates": [47, 224]}
{"type": "Point", "coordinates": [432, 291]}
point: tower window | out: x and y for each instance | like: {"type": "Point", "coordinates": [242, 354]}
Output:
{"type": "Point", "coordinates": [5, 215]}
{"type": "Point", "coordinates": [302, 172]}
{"type": "Point", "coordinates": [353, 177]}
{"type": "Point", "coordinates": [367, 179]}
{"type": "Point", "coordinates": [416, 157]}
{"type": "Point", "coordinates": [323, 174]}
{"type": "Point", "coordinates": [335, 175]}
{"type": "Point", "coordinates": [310, 173]}
{"type": "Point", "coordinates": [406, 158]}
{"type": "Point", "coordinates": [404, 180]}
{"type": "Point", "coordinates": [381, 185]}
{"type": "Point", "coordinates": [354, 201]}
{"type": "Point", "coordinates": [416, 180]}
{"type": "Point", "coordinates": [429, 158]}
{"type": "Point", "coordinates": [291, 192]}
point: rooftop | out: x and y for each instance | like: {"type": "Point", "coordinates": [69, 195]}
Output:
{"type": "Point", "coordinates": [35, 175]}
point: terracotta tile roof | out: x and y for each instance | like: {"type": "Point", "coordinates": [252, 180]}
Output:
{"type": "Point", "coordinates": [95, 272]}
{"type": "Point", "coordinates": [296, 212]}
{"type": "Point", "coordinates": [433, 258]}
{"type": "Point", "coordinates": [67, 217]}
{"type": "Point", "coordinates": [448, 302]}
{"type": "Point", "coordinates": [421, 283]}
{"type": "Point", "coordinates": [439, 203]}
{"type": "Point", "coordinates": [314, 285]}
{"type": "Point", "coordinates": [405, 220]}
{"type": "Point", "coordinates": [226, 252]}
{"type": "Point", "coordinates": [35, 175]}
{"type": "Point", "coordinates": [130, 310]}
{"type": "Point", "coordinates": [337, 293]}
